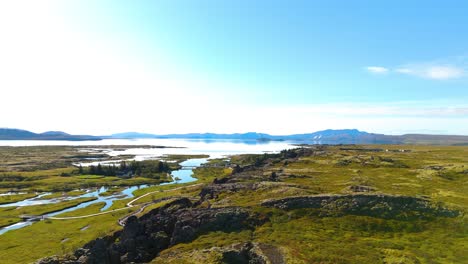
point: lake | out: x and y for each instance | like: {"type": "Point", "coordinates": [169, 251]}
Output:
{"type": "Point", "coordinates": [214, 148]}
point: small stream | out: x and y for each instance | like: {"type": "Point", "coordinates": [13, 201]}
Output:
{"type": "Point", "coordinates": [182, 175]}
{"type": "Point", "coordinates": [214, 148]}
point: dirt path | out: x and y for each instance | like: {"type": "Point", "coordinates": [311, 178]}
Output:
{"type": "Point", "coordinates": [84, 216]}
{"type": "Point", "coordinates": [124, 219]}
{"type": "Point", "coordinates": [128, 205]}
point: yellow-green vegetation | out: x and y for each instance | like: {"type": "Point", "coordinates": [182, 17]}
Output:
{"type": "Point", "coordinates": [33, 158]}
{"type": "Point", "coordinates": [11, 215]}
{"type": "Point", "coordinates": [203, 175]}
{"type": "Point", "coordinates": [54, 181]}
{"type": "Point", "coordinates": [50, 169]}
{"type": "Point", "coordinates": [4, 199]}
{"type": "Point", "coordinates": [195, 251]}
{"type": "Point", "coordinates": [436, 173]}
{"type": "Point", "coordinates": [361, 239]}
{"type": "Point", "coordinates": [64, 194]}
{"type": "Point", "coordinates": [57, 237]}
{"type": "Point", "coordinates": [112, 190]}
{"type": "Point", "coordinates": [181, 157]}
{"type": "Point", "coordinates": [207, 174]}
{"type": "Point", "coordinates": [153, 206]}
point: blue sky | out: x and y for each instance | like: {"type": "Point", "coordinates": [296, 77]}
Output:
{"type": "Point", "coordinates": [268, 66]}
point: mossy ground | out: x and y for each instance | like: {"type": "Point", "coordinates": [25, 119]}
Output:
{"type": "Point", "coordinates": [436, 173]}
{"type": "Point", "coordinates": [439, 174]}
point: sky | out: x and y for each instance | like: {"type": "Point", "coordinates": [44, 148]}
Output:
{"type": "Point", "coordinates": [279, 67]}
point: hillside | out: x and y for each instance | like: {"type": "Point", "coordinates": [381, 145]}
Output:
{"type": "Point", "coordinates": [18, 134]}
{"type": "Point", "coordinates": [329, 136]}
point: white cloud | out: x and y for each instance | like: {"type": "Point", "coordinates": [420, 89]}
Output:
{"type": "Point", "coordinates": [377, 69]}
{"type": "Point", "coordinates": [404, 71]}
{"type": "Point", "coordinates": [444, 72]}
{"type": "Point", "coordinates": [436, 72]}
{"type": "Point", "coordinates": [442, 69]}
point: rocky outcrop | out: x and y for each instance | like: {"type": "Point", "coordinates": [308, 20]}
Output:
{"type": "Point", "coordinates": [237, 253]}
{"type": "Point", "coordinates": [213, 190]}
{"type": "Point", "coordinates": [143, 238]}
{"type": "Point", "coordinates": [252, 253]}
{"type": "Point", "coordinates": [361, 188]}
{"type": "Point", "coordinates": [377, 205]}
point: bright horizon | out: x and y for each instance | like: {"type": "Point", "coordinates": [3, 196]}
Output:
{"type": "Point", "coordinates": [276, 67]}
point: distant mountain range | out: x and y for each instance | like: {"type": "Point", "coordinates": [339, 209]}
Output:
{"type": "Point", "coordinates": [329, 136]}
{"type": "Point", "coordinates": [325, 137]}
{"type": "Point", "coordinates": [19, 134]}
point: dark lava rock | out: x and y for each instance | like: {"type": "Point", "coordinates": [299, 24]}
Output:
{"type": "Point", "coordinates": [377, 205]}
{"type": "Point", "coordinates": [245, 254]}
{"type": "Point", "coordinates": [250, 253]}
{"type": "Point", "coordinates": [143, 238]}
{"type": "Point", "coordinates": [57, 260]}
{"type": "Point", "coordinates": [213, 190]}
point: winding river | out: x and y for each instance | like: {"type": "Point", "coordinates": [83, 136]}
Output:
{"type": "Point", "coordinates": [215, 149]}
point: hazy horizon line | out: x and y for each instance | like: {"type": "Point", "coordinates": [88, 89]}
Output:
{"type": "Point", "coordinates": [422, 132]}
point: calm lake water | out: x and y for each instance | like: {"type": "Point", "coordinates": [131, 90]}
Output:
{"type": "Point", "coordinates": [213, 148]}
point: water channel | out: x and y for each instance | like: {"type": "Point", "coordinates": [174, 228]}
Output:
{"type": "Point", "coordinates": [215, 149]}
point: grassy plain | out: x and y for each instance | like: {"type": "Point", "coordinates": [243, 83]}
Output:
{"type": "Point", "coordinates": [4, 199]}
{"type": "Point", "coordinates": [10, 215]}
{"type": "Point", "coordinates": [52, 237]}
{"type": "Point", "coordinates": [51, 169]}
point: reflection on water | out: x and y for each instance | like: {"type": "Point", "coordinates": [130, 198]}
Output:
{"type": "Point", "coordinates": [184, 175]}
{"type": "Point", "coordinates": [200, 146]}
{"type": "Point", "coordinates": [213, 148]}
